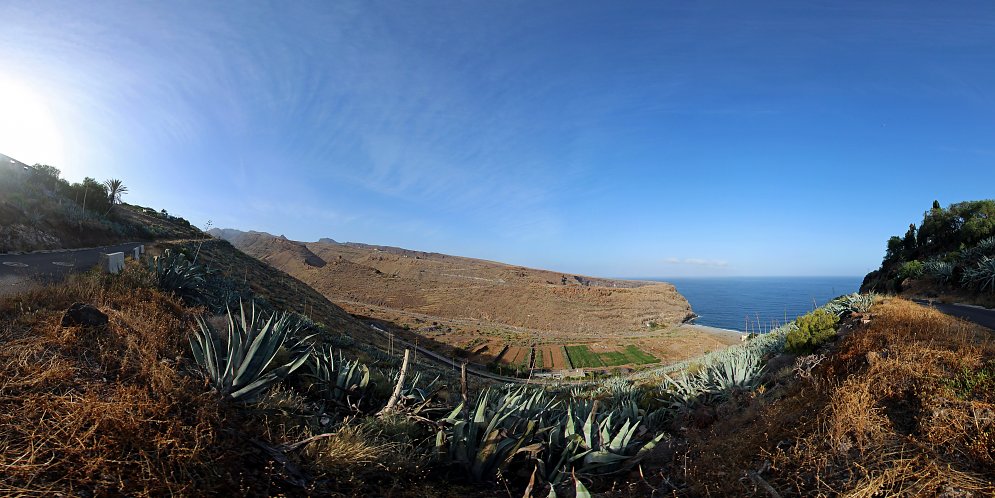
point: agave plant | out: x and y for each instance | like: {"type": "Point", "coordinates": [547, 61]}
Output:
{"type": "Point", "coordinates": [486, 440]}
{"type": "Point", "coordinates": [593, 441]}
{"type": "Point", "coordinates": [337, 380]}
{"type": "Point", "coordinates": [413, 390]}
{"type": "Point", "coordinates": [941, 271]}
{"type": "Point", "coordinates": [241, 366]}
{"type": "Point", "coordinates": [856, 302]}
{"type": "Point", "coordinates": [981, 275]}
{"type": "Point", "coordinates": [973, 255]}
{"type": "Point", "coordinates": [175, 274]}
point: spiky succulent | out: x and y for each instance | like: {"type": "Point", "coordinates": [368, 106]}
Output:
{"type": "Point", "coordinates": [595, 438]}
{"type": "Point", "coordinates": [981, 276]}
{"type": "Point", "coordinates": [175, 274]}
{"type": "Point", "coordinates": [485, 440]}
{"type": "Point", "coordinates": [337, 380]}
{"type": "Point", "coordinates": [938, 270]}
{"type": "Point", "coordinates": [241, 366]}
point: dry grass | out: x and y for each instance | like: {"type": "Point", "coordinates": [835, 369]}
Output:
{"type": "Point", "coordinates": [881, 418]}
{"type": "Point", "coordinates": [107, 410]}
{"type": "Point", "coordinates": [122, 410]}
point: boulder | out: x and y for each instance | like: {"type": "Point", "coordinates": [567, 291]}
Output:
{"type": "Point", "coordinates": [85, 315]}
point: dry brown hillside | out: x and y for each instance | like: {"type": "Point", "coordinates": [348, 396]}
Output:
{"type": "Point", "coordinates": [465, 288]}
{"type": "Point", "coordinates": [487, 309]}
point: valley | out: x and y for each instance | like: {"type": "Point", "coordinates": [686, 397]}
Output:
{"type": "Point", "coordinates": [511, 318]}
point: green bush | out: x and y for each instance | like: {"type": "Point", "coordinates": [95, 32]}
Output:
{"type": "Point", "coordinates": [911, 269]}
{"type": "Point", "coordinates": [813, 329]}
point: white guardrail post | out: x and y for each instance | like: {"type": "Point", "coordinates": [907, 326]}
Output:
{"type": "Point", "coordinates": [112, 263]}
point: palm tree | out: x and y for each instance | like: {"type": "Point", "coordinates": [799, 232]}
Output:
{"type": "Point", "coordinates": [115, 189]}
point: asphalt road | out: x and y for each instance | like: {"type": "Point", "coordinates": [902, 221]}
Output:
{"type": "Point", "coordinates": [981, 316]}
{"type": "Point", "coordinates": [55, 265]}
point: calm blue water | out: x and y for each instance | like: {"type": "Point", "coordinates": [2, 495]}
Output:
{"type": "Point", "coordinates": [727, 302]}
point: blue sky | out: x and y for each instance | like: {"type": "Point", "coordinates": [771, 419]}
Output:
{"type": "Point", "coordinates": [654, 139]}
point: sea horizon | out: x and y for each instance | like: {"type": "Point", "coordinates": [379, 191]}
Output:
{"type": "Point", "coordinates": [757, 304]}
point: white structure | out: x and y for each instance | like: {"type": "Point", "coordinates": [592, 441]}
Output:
{"type": "Point", "coordinates": [138, 253]}
{"type": "Point", "coordinates": [112, 263]}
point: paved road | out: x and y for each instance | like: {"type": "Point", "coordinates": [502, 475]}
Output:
{"type": "Point", "coordinates": [981, 316]}
{"type": "Point", "coordinates": [52, 266]}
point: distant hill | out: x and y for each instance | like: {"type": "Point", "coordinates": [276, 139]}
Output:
{"type": "Point", "coordinates": [40, 210]}
{"type": "Point", "coordinates": [458, 287]}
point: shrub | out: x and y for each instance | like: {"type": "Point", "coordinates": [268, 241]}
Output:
{"type": "Point", "coordinates": [911, 269]}
{"type": "Point", "coordinates": [813, 330]}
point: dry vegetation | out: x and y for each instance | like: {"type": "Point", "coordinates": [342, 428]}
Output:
{"type": "Point", "coordinates": [108, 410]}
{"type": "Point", "coordinates": [121, 409]}
{"type": "Point", "coordinates": [903, 407]}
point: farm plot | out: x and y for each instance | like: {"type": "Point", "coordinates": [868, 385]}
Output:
{"type": "Point", "coordinates": [631, 355]}
{"type": "Point", "coordinates": [582, 357]}
{"type": "Point", "coordinates": [516, 356]}
{"type": "Point", "coordinates": [638, 356]}
{"type": "Point", "coordinates": [613, 358]}
{"type": "Point", "coordinates": [552, 357]}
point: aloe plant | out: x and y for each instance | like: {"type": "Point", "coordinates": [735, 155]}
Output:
{"type": "Point", "coordinates": [859, 303]}
{"type": "Point", "coordinates": [240, 367]}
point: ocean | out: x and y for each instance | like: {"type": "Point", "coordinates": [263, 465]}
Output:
{"type": "Point", "coordinates": [739, 303]}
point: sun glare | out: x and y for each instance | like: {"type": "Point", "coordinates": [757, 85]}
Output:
{"type": "Point", "coordinates": [28, 131]}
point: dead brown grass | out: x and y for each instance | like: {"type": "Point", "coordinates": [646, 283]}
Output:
{"type": "Point", "coordinates": [881, 418]}
{"type": "Point", "coordinates": [109, 410]}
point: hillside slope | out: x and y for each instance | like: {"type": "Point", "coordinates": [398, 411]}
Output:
{"type": "Point", "coordinates": [471, 289]}
{"type": "Point", "coordinates": [39, 210]}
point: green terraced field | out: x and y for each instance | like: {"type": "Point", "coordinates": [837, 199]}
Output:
{"type": "Point", "coordinates": [614, 358]}
{"type": "Point", "coordinates": [582, 357]}
{"type": "Point", "coordinates": [638, 356]}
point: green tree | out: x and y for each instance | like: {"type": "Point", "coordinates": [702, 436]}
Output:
{"type": "Point", "coordinates": [909, 241]}
{"type": "Point", "coordinates": [91, 195]}
{"type": "Point", "coordinates": [894, 252]}
{"type": "Point", "coordinates": [977, 221]}
{"type": "Point", "coordinates": [47, 176]}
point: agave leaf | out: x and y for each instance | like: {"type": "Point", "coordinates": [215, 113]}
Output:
{"type": "Point", "coordinates": [618, 442]}
{"type": "Point", "coordinates": [580, 490]}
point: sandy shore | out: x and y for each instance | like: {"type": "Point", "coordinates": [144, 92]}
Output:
{"type": "Point", "coordinates": [726, 335]}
